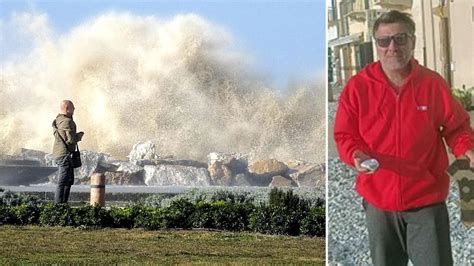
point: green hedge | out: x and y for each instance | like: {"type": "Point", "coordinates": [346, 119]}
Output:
{"type": "Point", "coordinates": [464, 96]}
{"type": "Point", "coordinates": [283, 213]}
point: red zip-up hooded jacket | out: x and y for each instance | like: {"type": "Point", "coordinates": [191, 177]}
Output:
{"type": "Point", "coordinates": [404, 133]}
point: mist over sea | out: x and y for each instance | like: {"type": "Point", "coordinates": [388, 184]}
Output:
{"type": "Point", "coordinates": [180, 82]}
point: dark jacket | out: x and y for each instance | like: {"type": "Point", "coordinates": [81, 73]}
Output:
{"type": "Point", "coordinates": [67, 129]}
{"type": "Point", "coordinates": [404, 133]}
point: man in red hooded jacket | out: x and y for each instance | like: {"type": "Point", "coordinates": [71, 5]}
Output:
{"type": "Point", "coordinates": [398, 113]}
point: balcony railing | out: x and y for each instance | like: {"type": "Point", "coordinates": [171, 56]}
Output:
{"type": "Point", "coordinates": [394, 4]}
{"type": "Point", "coordinates": [355, 10]}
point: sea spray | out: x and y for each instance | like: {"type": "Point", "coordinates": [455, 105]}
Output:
{"type": "Point", "coordinates": [180, 83]}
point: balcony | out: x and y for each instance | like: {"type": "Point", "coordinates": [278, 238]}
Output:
{"type": "Point", "coordinates": [394, 4]}
{"type": "Point", "coordinates": [349, 39]}
{"type": "Point", "coordinates": [357, 11]}
{"type": "Point", "coordinates": [357, 15]}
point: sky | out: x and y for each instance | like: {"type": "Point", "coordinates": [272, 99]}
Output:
{"type": "Point", "coordinates": [286, 39]}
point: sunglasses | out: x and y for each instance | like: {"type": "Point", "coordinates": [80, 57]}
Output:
{"type": "Point", "coordinates": [399, 39]}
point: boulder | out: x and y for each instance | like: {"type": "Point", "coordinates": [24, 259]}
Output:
{"type": "Point", "coordinates": [143, 152]}
{"type": "Point", "coordinates": [220, 175]}
{"type": "Point", "coordinates": [223, 167]}
{"type": "Point", "coordinates": [176, 175]}
{"type": "Point", "coordinates": [263, 171]}
{"type": "Point", "coordinates": [127, 167]}
{"type": "Point", "coordinates": [118, 173]}
{"type": "Point", "coordinates": [92, 162]}
{"type": "Point", "coordinates": [268, 167]}
{"type": "Point", "coordinates": [125, 173]}
{"type": "Point", "coordinates": [49, 160]}
{"type": "Point", "coordinates": [191, 163]}
{"type": "Point", "coordinates": [295, 163]}
{"type": "Point", "coordinates": [309, 175]}
{"type": "Point", "coordinates": [124, 178]}
{"type": "Point", "coordinates": [27, 154]}
{"type": "Point", "coordinates": [281, 181]}
{"type": "Point", "coordinates": [236, 160]}
{"type": "Point", "coordinates": [241, 180]}
{"type": "Point", "coordinates": [142, 163]}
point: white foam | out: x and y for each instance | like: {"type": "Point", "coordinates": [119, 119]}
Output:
{"type": "Point", "coordinates": [179, 83]}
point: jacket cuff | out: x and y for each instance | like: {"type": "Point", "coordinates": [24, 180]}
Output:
{"type": "Point", "coordinates": [461, 151]}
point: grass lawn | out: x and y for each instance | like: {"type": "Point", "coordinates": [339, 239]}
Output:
{"type": "Point", "coordinates": [33, 244]}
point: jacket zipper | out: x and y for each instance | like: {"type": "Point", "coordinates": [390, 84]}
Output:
{"type": "Point", "coordinates": [398, 145]}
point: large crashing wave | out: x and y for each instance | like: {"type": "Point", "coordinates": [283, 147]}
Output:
{"type": "Point", "coordinates": [177, 82]}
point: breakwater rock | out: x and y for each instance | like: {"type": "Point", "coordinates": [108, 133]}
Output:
{"type": "Point", "coordinates": [145, 166]}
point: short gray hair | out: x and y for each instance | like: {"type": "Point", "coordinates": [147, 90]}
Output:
{"type": "Point", "coordinates": [395, 16]}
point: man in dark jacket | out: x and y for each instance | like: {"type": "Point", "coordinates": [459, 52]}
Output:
{"type": "Point", "coordinates": [398, 113]}
{"type": "Point", "coordinates": [65, 141]}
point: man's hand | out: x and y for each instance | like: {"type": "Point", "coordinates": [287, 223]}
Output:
{"type": "Point", "coordinates": [470, 155]}
{"type": "Point", "coordinates": [359, 157]}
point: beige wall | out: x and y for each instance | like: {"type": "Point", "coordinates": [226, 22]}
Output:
{"type": "Point", "coordinates": [462, 36]}
{"type": "Point", "coordinates": [429, 36]}
{"type": "Point", "coordinates": [356, 26]}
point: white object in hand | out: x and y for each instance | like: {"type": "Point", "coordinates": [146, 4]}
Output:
{"type": "Point", "coordinates": [370, 164]}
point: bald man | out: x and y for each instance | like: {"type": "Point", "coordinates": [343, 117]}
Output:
{"type": "Point", "coordinates": [65, 141]}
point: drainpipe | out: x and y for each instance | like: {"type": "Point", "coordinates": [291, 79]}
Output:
{"type": "Point", "coordinates": [446, 46]}
{"type": "Point", "coordinates": [425, 60]}
{"type": "Point", "coordinates": [435, 61]}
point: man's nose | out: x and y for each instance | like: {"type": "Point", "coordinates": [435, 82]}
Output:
{"type": "Point", "coordinates": [392, 45]}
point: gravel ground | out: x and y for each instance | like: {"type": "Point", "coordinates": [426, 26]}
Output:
{"type": "Point", "coordinates": [347, 237]}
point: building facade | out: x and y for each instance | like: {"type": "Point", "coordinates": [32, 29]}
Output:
{"type": "Point", "coordinates": [444, 36]}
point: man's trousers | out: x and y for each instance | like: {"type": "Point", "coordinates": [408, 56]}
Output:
{"type": "Point", "coordinates": [65, 179]}
{"type": "Point", "coordinates": [420, 235]}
